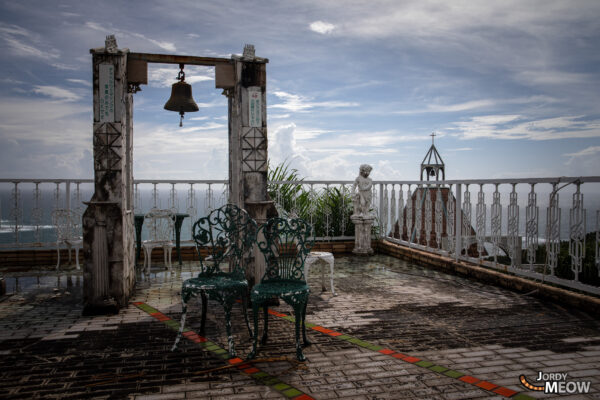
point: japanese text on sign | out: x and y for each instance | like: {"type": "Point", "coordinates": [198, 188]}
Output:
{"type": "Point", "coordinates": [255, 110]}
{"type": "Point", "coordinates": [106, 92]}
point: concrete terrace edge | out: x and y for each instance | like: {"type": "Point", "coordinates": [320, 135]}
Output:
{"type": "Point", "coordinates": [15, 260]}
{"type": "Point", "coordinates": [522, 285]}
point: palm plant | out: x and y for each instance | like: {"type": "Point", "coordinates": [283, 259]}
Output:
{"type": "Point", "coordinates": [327, 209]}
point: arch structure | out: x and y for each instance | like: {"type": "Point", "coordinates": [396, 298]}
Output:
{"type": "Point", "coordinates": [108, 228]}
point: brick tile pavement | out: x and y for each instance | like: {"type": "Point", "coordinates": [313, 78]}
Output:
{"type": "Point", "coordinates": [406, 332]}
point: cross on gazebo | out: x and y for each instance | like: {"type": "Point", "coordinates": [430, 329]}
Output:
{"type": "Point", "coordinates": [432, 136]}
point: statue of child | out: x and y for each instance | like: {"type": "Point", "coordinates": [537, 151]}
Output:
{"type": "Point", "coordinates": [362, 191]}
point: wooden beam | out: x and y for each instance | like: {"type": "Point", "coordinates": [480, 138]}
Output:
{"type": "Point", "coordinates": [178, 59]}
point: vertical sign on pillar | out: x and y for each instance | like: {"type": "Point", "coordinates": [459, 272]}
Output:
{"type": "Point", "coordinates": [255, 107]}
{"type": "Point", "coordinates": [106, 95]}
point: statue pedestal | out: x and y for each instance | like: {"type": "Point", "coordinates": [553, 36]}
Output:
{"type": "Point", "coordinates": [362, 234]}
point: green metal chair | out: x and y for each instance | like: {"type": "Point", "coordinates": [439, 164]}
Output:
{"type": "Point", "coordinates": [284, 244]}
{"type": "Point", "coordinates": [224, 238]}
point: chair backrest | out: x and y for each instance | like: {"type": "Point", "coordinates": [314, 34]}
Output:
{"type": "Point", "coordinates": [160, 224]}
{"type": "Point", "coordinates": [285, 243]}
{"type": "Point", "coordinates": [226, 235]}
{"type": "Point", "coordinates": [67, 224]}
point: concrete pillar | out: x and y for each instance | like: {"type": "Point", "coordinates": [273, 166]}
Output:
{"type": "Point", "coordinates": [108, 238]}
{"type": "Point", "coordinates": [248, 144]}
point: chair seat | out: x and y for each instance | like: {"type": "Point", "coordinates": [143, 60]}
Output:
{"type": "Point", "coordinates": [156, 243]}
{"type": "Point", "coordinates": [210, 282]}
{"type": "Point", "coordinates": [282, 288]}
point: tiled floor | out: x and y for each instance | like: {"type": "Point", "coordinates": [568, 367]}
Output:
{"type": "Point", "coordinates": [395, 331]}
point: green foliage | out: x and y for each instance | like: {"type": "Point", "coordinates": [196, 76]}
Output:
{"type": "Point", "coordinates": [323, 207]}
{"type": "Point", "coordinates": [589, 273]}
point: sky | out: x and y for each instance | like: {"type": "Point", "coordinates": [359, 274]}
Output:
{"type": "Point", "coordinates": [510, 88]}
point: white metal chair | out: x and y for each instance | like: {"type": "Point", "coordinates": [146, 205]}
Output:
{"type": "Point", "coordinates": [161, 224]}
{"type": "Point", "coordinates": [68, 232]}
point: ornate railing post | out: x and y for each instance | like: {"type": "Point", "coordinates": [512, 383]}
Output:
{"type": "Point", "coordinates": [466, 220]}
{"type": "Point", "coordinates": [428, 217]}
{"type": "Point", "coordinates": [450, 221]}
{"type": "Point", "coordinates": [496, 223]}
{"type": "Point", "coordinates": [345, 216]}
{"type": "Point", "coordinates": [400, 212]}
{"type": "Point", "coordinates": [384, 210]}
{"type": "Point", "coordinates": [418, 213]}
{"type": "Point", "coordinates": [439, 216]}
{"type": "Point", "coordinates": [577, 232]}
{"type": "Point", "coordinates": [155, 197]}
{"type": "Point", "coordinates": [191, 206]}
{"type": "Point", "coordinates": [392, 209]}
{"type": "Point", "coordinates": [78, 203]}
{"type": "Point", "coordinates": [16, 212]}
{"type": "Point", "coordinates": [37, 212]}
{"type": "Point", "coordinates": [553, 230]}
{"type": "Point", "coordinates": [409, 216]}
{"type": "Point", "coordinates": [514, 242]}
{"type": "Point", "coordinates": [137, 199]}
{"type": "Point", "coordinates": [173, 200]}
{"type": "Point", "coordinates": [57, 196]}
{"type": "Point", "coordinates": [327, 212]}
{"type": "Point", "coordinates": [598, 241]}
{"type": "Point", "coordinates": [531, 226]}
{"type": "Point", "coordinates": [480, 211]}
{"type": "Point", "coordinates": [458, 218]}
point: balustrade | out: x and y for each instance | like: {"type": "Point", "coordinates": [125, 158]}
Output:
{"type": "Point", "coordinates": [517, 236]}
{"type": "Point", "coordinates": [435, 216]}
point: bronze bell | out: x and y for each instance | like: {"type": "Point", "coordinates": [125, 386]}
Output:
{"type": "Point", "coordinates": [181, 99]}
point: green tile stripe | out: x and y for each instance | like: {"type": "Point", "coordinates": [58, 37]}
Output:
{"type": "Point", "coordinates": [259, 376]}
{"type": "Point", "coordinates": [500, 390]}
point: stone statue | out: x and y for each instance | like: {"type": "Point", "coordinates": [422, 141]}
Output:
{"type": "Point", "coordinates": [362, 191]}
{"type": "Point", "coordinates": [362, 218]}
{"type": "Point", "coordinates": [110, 44]}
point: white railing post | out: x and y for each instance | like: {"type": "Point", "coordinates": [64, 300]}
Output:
{"type": "Point", "coordinates": [458, 222]}
{"type": "Point", "coordinates": [68, 195]}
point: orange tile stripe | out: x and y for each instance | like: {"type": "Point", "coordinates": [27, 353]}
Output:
{"type": "Point", "coordinates": [262, 377]}
{"type": "Point", "coordinates": [502, 391]}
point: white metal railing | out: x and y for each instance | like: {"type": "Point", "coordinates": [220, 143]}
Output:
{"type": "Point", "coordinates": [26, 204]}
{"type": "Point", "coordinates": [503, 223]}
{"type": "Point", "coordinates": [511, 221]}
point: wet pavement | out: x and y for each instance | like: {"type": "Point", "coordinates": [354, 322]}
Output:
{"type": "Point", "coordinates": [394, 331]}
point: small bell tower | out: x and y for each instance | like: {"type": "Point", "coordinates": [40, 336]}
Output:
{"type": "Point", "coordinates": [433, 164]}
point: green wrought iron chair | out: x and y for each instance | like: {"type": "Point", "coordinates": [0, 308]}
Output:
{"type": "Point", "coordinates": [224, 239]}
{"type": "Point", "coordinates": [284, 244]}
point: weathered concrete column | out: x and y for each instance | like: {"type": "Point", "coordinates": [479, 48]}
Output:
{"type": "Point", "coordinates": [362, 234]}
{"type": "Point", "coordinates": [248, 143]}
{"type": "Point", "coordinates": [108, 238]}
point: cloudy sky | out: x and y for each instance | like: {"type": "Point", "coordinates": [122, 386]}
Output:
{"type": "Point", "coordinates": [511, 88]}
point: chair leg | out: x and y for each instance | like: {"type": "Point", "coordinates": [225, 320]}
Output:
{"type": "Point", "coordinates": [265, 335]}
{"type": "Point", "coordinates": [203, 317]}
{"type": "Point", "coordinates": [298, 317]}
{"type": "Point", "coordinates": [304, 338]}
{"type": "Point", "coordinates": [170, 254]}
{"type": "Point", "coordinates": [149, 257]}
{"type": "Point", "coordinates": [254, 351]}
{"type": "Point", "coordinates": [245, 311]}
{"type": "Point", "coordinates": [58, 256]}
{"type": "Point", "coordinates": [77, 257]}
{"type": "Point", "coordinates": [227, 308]}
{"type": "Point", "coordinates": [181, 323]}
